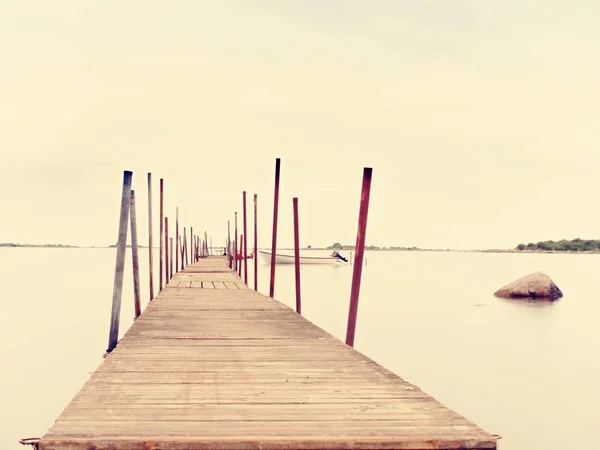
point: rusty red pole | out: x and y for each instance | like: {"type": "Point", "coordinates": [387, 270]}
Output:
{"type": "Point", "coordinates": [177, 240]}
{"type": "Point", "coordinates": [166, 249]}
{"type": "Point", "coordinates": [160, 242]}
{"type": "Point", "coordinates": [185, 246]}
{"type": "Point", "coordinates": [134, 257]}
{"type": "Point", "coordinates": [235, 247]}
{"type": "Point", "coordinates": [245, 240]}
{"type": "Point", "coordinates": [115, 315]}
{"type": "Point", "coordinates": [241, 255]}
{"type": "Point", "coordinates": [360, 249]}
{"type": "Point", "coordinates": [297, 256]}
{"type": "Point", "coordinates": [181, 250]}
{"type": "Point", "coordinates": [274, 243]}
{"type": "Point", "coordinates": [150, 250]}
{"type": "Point", "coordinates": [171, 258]}
{"type": "Point", "coordinates": [255, 252]}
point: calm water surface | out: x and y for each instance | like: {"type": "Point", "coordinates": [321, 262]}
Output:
{"type": "Point", "coordinates": [528, 372]}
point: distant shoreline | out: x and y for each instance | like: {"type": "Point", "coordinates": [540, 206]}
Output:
{"type": "Point", "coordinates": [218, 250]}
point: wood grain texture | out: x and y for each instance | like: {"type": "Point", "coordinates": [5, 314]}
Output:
{"type": "Point", "coordinates": [211, 364]}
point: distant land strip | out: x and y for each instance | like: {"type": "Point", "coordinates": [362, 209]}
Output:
{"type": "Point", "coordinates": [577, 245]}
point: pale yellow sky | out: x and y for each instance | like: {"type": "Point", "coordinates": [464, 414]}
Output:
{"type": "Point", "coordinates": [478, 117]}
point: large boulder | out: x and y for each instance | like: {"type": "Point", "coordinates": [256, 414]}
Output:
{"type": "Point", "coordinates": [537, 285]}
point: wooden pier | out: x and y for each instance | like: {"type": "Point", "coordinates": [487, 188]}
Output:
{"type": "Point", "coordinates": [212, 364]}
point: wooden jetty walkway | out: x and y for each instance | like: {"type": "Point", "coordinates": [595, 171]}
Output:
{"type": "Point", "coordinates": [213, 364]}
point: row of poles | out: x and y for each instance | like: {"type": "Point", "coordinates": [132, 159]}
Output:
{"type": "Point", "coordinates": [238, 248]}
{"type": "Point", "coordinates": [198, 247]}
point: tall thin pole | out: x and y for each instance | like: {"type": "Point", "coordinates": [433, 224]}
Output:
{"type": "Point", "coordinates": [171, 258]}
{"type": "Point", "coordinates": [113, 335]}
{"type": "Point", "coordinates": [297, 256]}
{"type": "Point", "coordinates": [360, 249]}
{"type": "Point", "coordinates": [167, 249]}
{"type": "Point", "coordinates": [245, 240]}
{"type": "Point", "coordinates": [150, 250]}
{"type": "Point", "coordinates": [274, 243]}
{"type": "Point", "coordinates": [177, 241]}
{"type": "Point", "coordinates": [191, 245]}
{"type": "Point", "coordinates": [160, 241]}
{"type": "Point", "coordinates": [180, 250]}
{"type": "Point", "coordinates": [236, 242]}
{"type": "Point", "coordinates": [134, 256]}
{"type": "Point", "coordinates": [229, 245]}
{"type": "Point", "coordinates": [184, 255]}
{"type": "Point", "coordinates": [255, 252]}
{"type": "Point", "coordinates": [241, 255]}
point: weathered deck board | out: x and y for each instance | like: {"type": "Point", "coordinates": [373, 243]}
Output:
{"type": "Point", "coordinates": [211, 364]}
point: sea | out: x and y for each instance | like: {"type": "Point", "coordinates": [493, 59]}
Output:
{"type": "Point", "coordinates": [528, 371]}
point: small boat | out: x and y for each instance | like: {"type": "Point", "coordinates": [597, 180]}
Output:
{"type": "Point", "coordinates": [289, 259]}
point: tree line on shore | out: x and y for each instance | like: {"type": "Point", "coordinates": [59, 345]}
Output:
{"type": "Point", "coordinates": [564, 245]}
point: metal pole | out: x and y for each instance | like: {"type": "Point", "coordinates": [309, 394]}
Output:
{"type": "Point", "coordinates": [167, 248]}
{"type": "Point", "coordinates": [255, 252]}
{"type": "Point", "coordinates": [171, 259]}
{"type": "Point", "coordinates": [134, 256]}
{"type": "Point", "coordinates": [297, 256]}
{"type": "Point", "coordinates": [358, 259]}
{"type": "Point", "coordinates": [236, 242]}
{"type": "Point", "coordinates": [274, 243]}
{"type": "Point", "coordinates": [160, 241]}
{"type": "Point", "coordinates": [150, 250]}
{"type": "Point", "coordinates": [245, 240]}
{"type": "Point", "coordinates": [229, 245]}
{"type": "Point", "coordinates": [177, 240]}
{"type": "Point", "coordinates": [180, 250]}
{"type": "Point", "coordinates": [184, 255]}
{"type": "Point", "coordinates": [191, 245]}
{"type": "Point", "coordinates": [241, 255]}
{"type": "Point", "coordinates": [113, 335]}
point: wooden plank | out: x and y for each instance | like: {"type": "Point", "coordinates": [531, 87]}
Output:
{"type": "Point", "coordinates": [222, 367]}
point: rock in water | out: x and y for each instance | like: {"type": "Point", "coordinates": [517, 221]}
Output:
{"type": "Point", "coordinates": [537, 285]}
